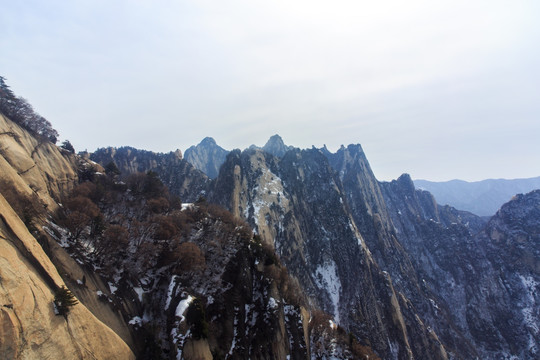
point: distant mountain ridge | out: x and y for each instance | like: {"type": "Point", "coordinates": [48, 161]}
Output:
{"type": "Point", "coordinates": [276, 146]}
{"type": "Point", "coordinates": [208, 156]}
{"type": "Point", "coordinates": [482, 198]}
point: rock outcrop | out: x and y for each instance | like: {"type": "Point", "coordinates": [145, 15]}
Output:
{"type": "Point", "coordinates": [391, 265]}
{"type": "Point", "coordinates": [34, 169]}
{"type": "Point", "coordinates": [298, 205]}
{"type": "Point", "coordinates": [481, 304]}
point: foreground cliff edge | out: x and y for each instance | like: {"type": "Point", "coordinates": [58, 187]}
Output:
{"type": "Point", "coordinates": [29, 327]}
{"type": "Point", "coordinates": [36, 172]}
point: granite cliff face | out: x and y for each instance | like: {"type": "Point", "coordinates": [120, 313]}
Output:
{"type": "Point", "coordinates": [512, 242]}
{"type": "Point", "coordinates": [30, 329]}
{"type": "Point", "coordinates": [34, 169]}
{"type": "Point", "coordinates": [154, 278]}
{"type": "Point", "coordinates": [35, 175]}
{"type": "Point", "coordinates": [328, 217]}
{"type": "Point", "coordinates": [405, 276]}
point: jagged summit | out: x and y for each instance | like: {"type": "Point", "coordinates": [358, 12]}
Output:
{"type": "Point", "coordinates": [276, 146]}
{"type": "Point", "coordinates": [208, 141]}
{"type": "Point", "coordinates": [207, 156]}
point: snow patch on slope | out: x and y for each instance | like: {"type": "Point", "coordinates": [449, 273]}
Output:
{"type": "Point", "coordinates": [531, 311]}
{"type": "Point", "coordinates": [326, 277]}
{"type": "Point", "coordinates": [268, 191]}
{"type": "Point", "coordinates": [182, 307]}
{"type": "Point", "coordinates": [170, 290]}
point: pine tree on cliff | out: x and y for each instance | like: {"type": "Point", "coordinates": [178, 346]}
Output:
{"type": "Point", "coordinates": [20, 111]}
{"type": "Point", "coordinates": [66, 145]}
{"type": "Point", "coordinates": [64, 300]}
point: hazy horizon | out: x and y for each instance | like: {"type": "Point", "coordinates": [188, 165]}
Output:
{"type": "Point", "coordinates": [445, 90]}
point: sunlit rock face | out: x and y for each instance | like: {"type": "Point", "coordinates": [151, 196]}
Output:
{"type": "Point", "coordinates": [35, 175]}
{"type": "Point", "coordinates": [248, 313]}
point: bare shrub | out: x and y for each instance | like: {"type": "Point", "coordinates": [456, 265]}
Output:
{"type": "Point", "coordinates": [81, 212]}
{"type": "Point", "coordinates": [114, 238]}
{"type": "Point", "coordinates": [165, 227]}
{"type": "Point", "coordinates": [190, 257]}
{"type": "Point", "coordinates": [158, 205]}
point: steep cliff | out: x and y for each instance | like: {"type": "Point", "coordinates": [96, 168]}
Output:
{"type": "Point", "coordinates": [29, 327]}
{"type": "Point", "coordinates": [35, 175]}
{"type": "Point", "coordinates": [199, 283]}
{"type": "Point", "coordinates": [512, 242]}
{"type": "Point", "coordinates": [35, 169]}
{"type": "Point", "coordinates": [298, 204]}
{"type": "Point", "coordinates": [482, 301]}
{"type": "Point", "coordinates": [344, 235]}
{"type": "Point", "coordinates": [188, 281]}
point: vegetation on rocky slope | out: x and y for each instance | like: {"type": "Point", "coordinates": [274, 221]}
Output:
{"type": "Point", "coordinates": [197, 273]}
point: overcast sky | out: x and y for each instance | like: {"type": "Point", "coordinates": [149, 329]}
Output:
{"type": "Point", "coordinates": [437, 89]}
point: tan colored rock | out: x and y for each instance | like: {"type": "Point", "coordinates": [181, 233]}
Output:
{"type": "Point", "coordinates": [196, 350]}
{"type": "Point", "coordinates": [29, 328]}
{"type": "Point", "coordinates": [34, 167]}
{"type": "Point", "coordinates": [39, 173]}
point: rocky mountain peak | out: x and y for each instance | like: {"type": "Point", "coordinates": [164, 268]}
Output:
{"type": "Point", "coordinates": [207, 156]}
{"type": "Point", "coordinates": [516, 227]}
{"type": "Point", "coordinates": [276, 146]}
{"type": "Point", "coordinates": [406, 183]}
{"type": "Point", "coordinates": [208, 141]}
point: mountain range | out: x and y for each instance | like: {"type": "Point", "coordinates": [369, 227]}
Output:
{"type": "Point", "coordinates": [270, 252]}
{"type": "Point", "coordinates": [482, 198]}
